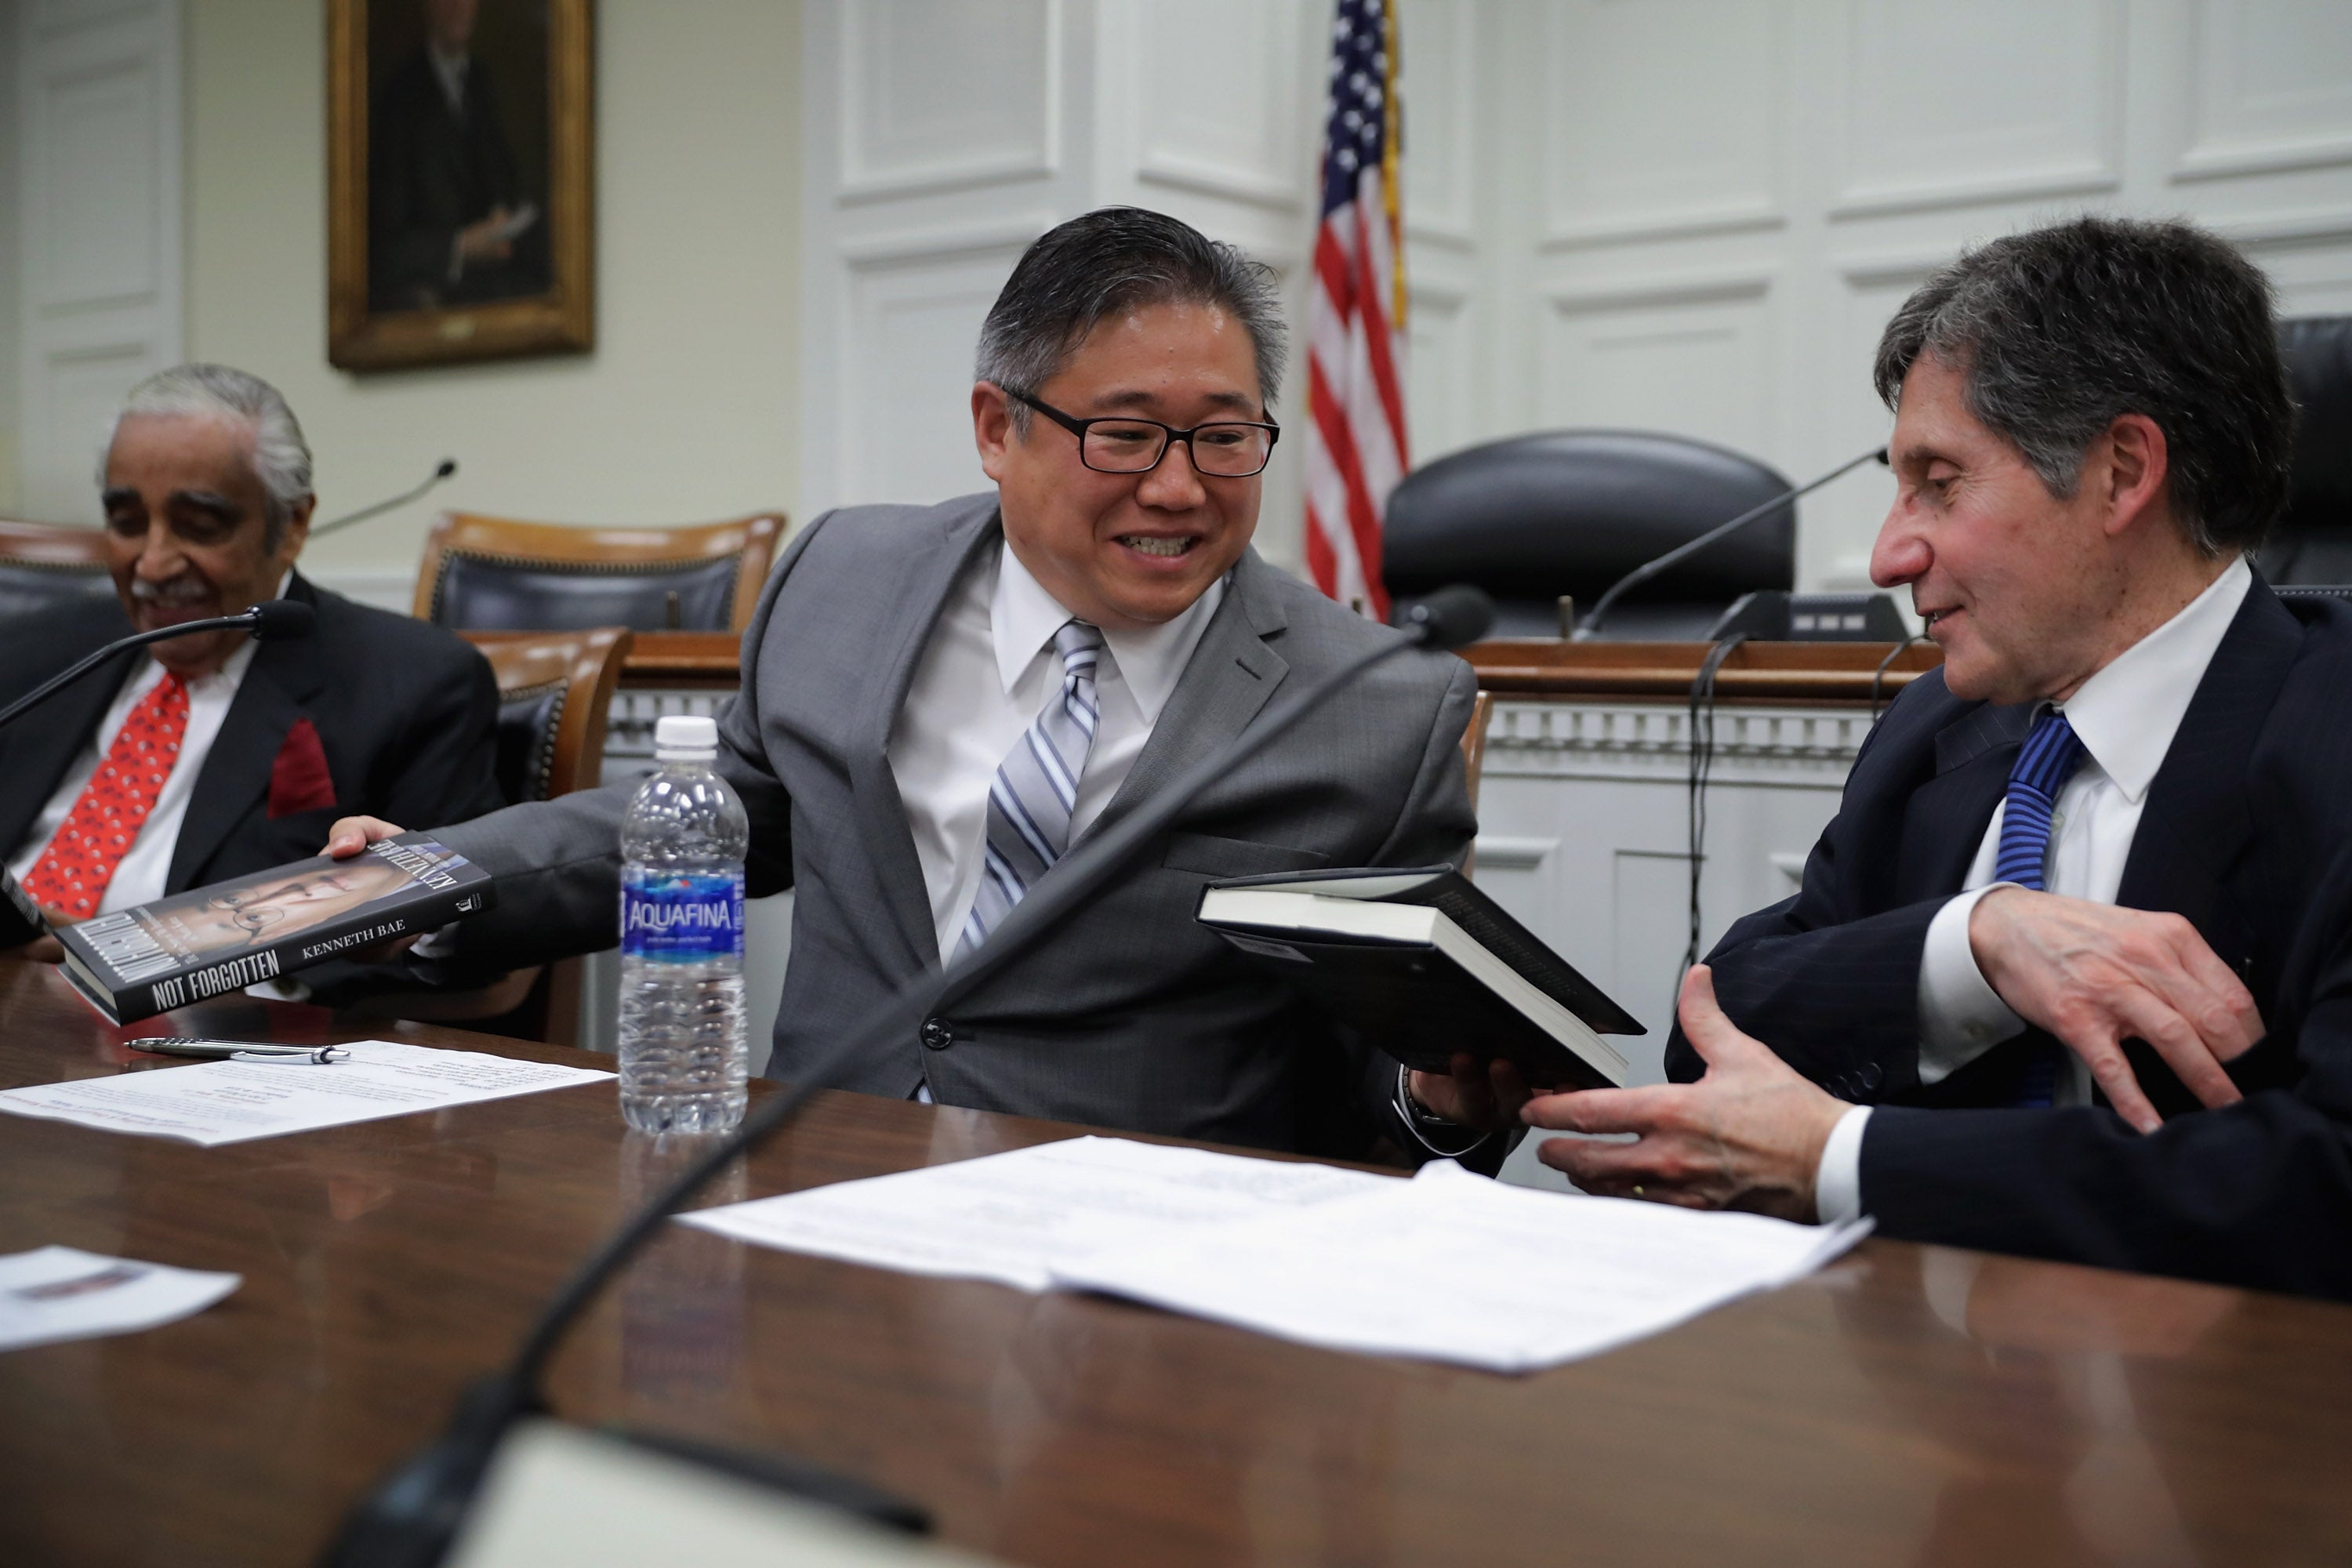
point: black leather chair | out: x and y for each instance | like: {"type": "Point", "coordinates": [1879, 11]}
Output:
{"type": "Point", "coordinates": [42, 562]}
{"type": "Point", "coordinates": [2312, 543]}
{"type": "Point", "coordinates": [492, 574]}
{"type": "Point", "coordinates": [1569, 511]}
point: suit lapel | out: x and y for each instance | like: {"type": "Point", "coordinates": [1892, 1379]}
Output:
{"type": "Point", "coordinates": [1947, 817]}
{"type": "Point", "coordinates": [282, 678]}
{"type": "Point", "coordinates": [881, 811]}
{"type": "Point", "coordinates": [38, 750]}
{"type": "Point", "coordinates": [1229, 678]}
{"type": "Point", "coordinates": [2197, 819]}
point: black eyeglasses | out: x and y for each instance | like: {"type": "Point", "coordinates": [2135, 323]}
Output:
{"type": "Point", "coordinates": [1122, 444]}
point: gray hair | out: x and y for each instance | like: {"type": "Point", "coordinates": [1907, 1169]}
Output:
{"type": "Point", "coordinates": [2059, 332]}
{"type": "Point", "coordinates": [1112, 260]}
{"type": "Point", "coordinates": [281, 458]}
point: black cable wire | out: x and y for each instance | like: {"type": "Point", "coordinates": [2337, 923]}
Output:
{"type": "Point", "coordinates": [1702, 762]}
{"type": "Point", "coordinates": [1878, 676]}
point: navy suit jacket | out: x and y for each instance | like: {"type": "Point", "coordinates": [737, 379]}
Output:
{"type": "Point", "coordinates": [2241, 834]}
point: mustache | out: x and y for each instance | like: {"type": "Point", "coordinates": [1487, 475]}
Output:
{"type": "Point", "coordinates": [185, 589]}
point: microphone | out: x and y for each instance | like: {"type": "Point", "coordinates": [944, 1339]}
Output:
{"type": "Point", "coordinates": [1683, 552]}
{"type": "Point", "coordinates": [1449, 619]}
{"type": "Point", "coordinates": [270, 621]}
{"type": "Point", "coordinates": [282, 620]}
{"type": "Point", "coordinates": [410, 1520]}
{"type": "Point", "coordinates": [449, 465]}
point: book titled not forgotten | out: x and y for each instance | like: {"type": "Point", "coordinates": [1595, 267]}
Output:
{"type": "Point", "coordinates": [207, 942]}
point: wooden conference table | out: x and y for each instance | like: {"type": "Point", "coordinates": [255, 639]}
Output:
{"type": "Point", "coordinates": [1908, 1405]}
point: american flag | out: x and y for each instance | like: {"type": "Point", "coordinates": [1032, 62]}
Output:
{"type": "Point", "coordinates": [1355, 350]}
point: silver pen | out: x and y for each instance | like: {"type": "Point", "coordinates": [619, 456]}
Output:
{"type": "Point", "coordinates": [241, 1050]}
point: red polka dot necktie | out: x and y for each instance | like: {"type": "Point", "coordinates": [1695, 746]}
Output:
{"type": "Point", "coordinates": [73, 872]}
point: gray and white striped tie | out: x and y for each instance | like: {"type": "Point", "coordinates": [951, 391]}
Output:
{"type": "Point", "coordinates": [1030, 800]}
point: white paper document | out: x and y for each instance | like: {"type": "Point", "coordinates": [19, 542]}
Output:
{"type": "Point", "coordinates": [227, 1103]}
{"type": "Point", "coordinates": [1452, 1267]}
{"type": "Point", "coordinates": [56, 1293]}
{"type": "Point", "coordinates": [1015, 1217]}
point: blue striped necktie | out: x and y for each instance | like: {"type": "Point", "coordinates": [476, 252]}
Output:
{"type": "Point", "coordinates": [1036, 786]}
{"type": "Point", "coordinates": [2051, 754]}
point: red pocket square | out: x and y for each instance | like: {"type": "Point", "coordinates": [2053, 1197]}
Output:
{"type": "Point", "coordinates": [298, 780]}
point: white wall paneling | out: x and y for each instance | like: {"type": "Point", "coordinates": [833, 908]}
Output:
{"type": "Point", "coordinates": [941, 95]}
{"type": "Point", "coordinates": [1221, 111]}
{"type": "Point", "coordinates": [1440, 87]}
{"type": "Point", "coordinates": [1442, 348]}
{"type": "Point", "coordinates": [1449, 382]}
{"type": "Point", "coordinates": [1664, 118]}
{"type": "Point", "coordinates": [97, 90]}
{"type": "Point", "coordinates": [1693, 355]}
{"type": "Point", "coordinates": [1948, 104]}
{"type": "Point", "coordinates": [1824, 156]}
{"type": "Point", "coordinates": [2270, 88]}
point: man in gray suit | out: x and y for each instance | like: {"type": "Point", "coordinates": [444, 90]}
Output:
{"type": "Point", "coordinates": [937, 701]}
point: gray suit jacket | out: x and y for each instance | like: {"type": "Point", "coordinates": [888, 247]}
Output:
{"type": "Point", "coordinates": [1132, 1016]}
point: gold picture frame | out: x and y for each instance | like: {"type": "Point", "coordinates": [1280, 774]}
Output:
{"type": "Point", "coordinates": [435, 109]}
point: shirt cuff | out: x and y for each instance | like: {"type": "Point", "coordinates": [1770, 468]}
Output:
{"type": "Point", "coordinates": [1837, 1185]}
{"type": "Point", "coordinates": [1962, 1017]}
{"type": "Point", "coordinates": [437, 944]}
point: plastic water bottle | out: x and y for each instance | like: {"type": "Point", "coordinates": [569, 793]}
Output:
{"type": "Point", "coordinates": [683, 1051]}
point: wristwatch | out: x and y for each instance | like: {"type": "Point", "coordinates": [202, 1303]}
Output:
{"type": "Point", "coordinates": [1436, 1134]}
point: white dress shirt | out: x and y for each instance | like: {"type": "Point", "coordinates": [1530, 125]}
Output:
{"type": "Point", "coordinates": [450, 72]}
{"type": "Point", "coordinates": [139, 878]}
{"type": "Point", "coordinates": [983, 679]}
{"type": "Point", "coordinates": [2126, 716]}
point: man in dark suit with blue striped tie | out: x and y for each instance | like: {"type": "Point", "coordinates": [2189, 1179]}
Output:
{"type": "Point", "coordinates": [2058, 973]}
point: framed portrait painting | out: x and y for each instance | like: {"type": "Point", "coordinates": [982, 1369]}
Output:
{"type": "Point", "coordinates": [460, 187]}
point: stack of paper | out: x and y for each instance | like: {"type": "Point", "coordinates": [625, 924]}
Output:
{"type": "Point", "coordinates": [1447, 1266]}
{"type": "Point", "coordinates": [227, 1103]}
{"type": "Point", "coordinates": [1452, 1267]}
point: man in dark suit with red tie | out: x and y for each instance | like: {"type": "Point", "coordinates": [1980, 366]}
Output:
{"type": "Point", "coordinates": [205, 757]}
{"type": "Point", "coordinates": [2070, 973]}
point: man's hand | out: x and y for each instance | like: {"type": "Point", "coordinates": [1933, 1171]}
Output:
{"type": "Point", "coordinates": [350, 834]}
{"type": "Point", "coordinates": [2095, 976]}
{"type": "Point", "coordinates": [40, 950]}
{"type": "Point", "coordinates": [1748, 1135]}
{"type": "Point", "coordinates": [347, 838]}
{"type": "Point", "coordinates": [1485, 1096]}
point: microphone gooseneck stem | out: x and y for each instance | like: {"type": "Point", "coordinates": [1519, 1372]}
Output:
{"type": "Point", "coordinates": [1088, 867]}
{"type": "Point", "coordinates": [56, 683]}
{"type": "Point", "coordinates": [1681, 553]}
{"type": "Point", "coordinates": [320, 529]}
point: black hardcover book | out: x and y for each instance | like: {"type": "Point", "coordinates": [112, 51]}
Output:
{"type": "Point", "coordinates": [137, 962]}
{"type": "Point", "coordinates": [1421, 964]}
